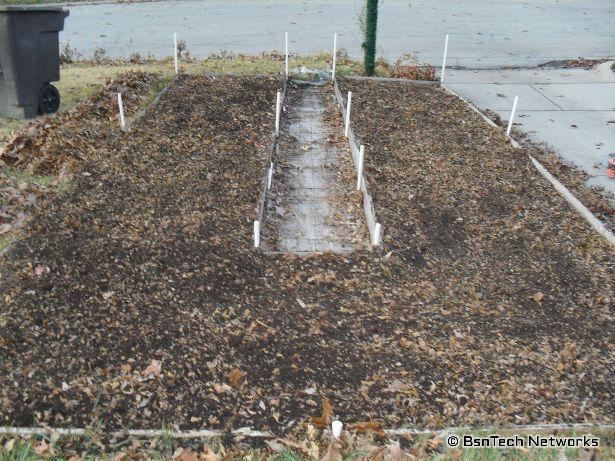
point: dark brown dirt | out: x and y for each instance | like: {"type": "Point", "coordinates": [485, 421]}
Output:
{"type": "Point", "coordinates": [138, 301]}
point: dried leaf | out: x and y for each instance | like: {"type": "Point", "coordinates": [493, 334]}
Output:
{"type": "Point", "coordinates": [325, 419]}
{"type": "Point", "coordinates": [236, 378]}
{"type": "Point", "coordinates": [538, 296]}
{"type": "Point", "coordinates": [154, 368]}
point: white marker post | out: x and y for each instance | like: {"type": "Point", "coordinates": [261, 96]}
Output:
{"type": "Point", "coordinates": [286, 51]}
{"type": "Point", "coordinates": [360, 166]}
{"type": "Point", "coordinates": [347, 122]}
{"type": "Point", "coordinates": [377, 235]}
{"type": "Point", "coordinates": [334, 56]}
{"type": "Point", "coordinates": [444, 59]}
{"type": "Point", "coordinates": [270, 176]}
{"type": "Point", "coordinates": [175, 59]}
{"type": "Point", "coordinates": [277, 113]}
{"type": "Point", "coordinates": [121, 106]}
{"type": "Point", "coordinates": [257, 234]}
{"type": "Point", "coordinates": [336, 428]}
{"type": "Point", "coordinates": [512, 116]}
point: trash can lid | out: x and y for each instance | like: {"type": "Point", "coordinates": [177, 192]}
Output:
{"type": "Point", "coordinates": [31, 9]}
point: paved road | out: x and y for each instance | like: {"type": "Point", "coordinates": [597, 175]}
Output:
{"type": "Point", "coordinates": [484, 33]}
{"type": "Point", "coordinates": [573, 110]}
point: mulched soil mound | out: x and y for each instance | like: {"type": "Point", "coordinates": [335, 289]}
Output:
{"type": "Point", "coordinates": [139, 301]}
{"type": "Point", "coordinates": [57, 145]}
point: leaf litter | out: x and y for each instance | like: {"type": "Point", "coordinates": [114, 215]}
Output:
{"type": "Point", "coordinates": [439, 329]}
{"type": "Point", "coordinates": [55, 146]}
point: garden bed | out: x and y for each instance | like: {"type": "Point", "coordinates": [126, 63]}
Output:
{"type": "Point", "coordinates": [139, 301]}
{"type": "Point", "coordinates": [40, 157]}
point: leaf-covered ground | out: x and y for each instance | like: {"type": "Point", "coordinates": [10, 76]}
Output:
{"type": "Point", "coordinates": [46, 151]}
{"type": "Point", "coordinates": [598, 200]}
{"type": "Point", "coordinates": [137, 299]}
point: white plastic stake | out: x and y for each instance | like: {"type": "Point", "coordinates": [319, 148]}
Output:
{"type": "Point", "coordinates": [334, 56]}
{"type": "Point", "coordinates": [277, 113]}
{"type": "Point", "coordinates": [257, 234]}
{"type": "Point", "coordinates": [270, 176]}
{"type": "Point", "coordinates": [512, 116]}
{"type": "Point", "coordinates": [286, 51]}
{"type": "Point", "coordinates": [444, 59]}
{"type": "Point", "coordinates": [336, 428]}
{"type": "Point", "coordinates": [175, 54]}
{"type": "Point", "coordinates": [360, 166]}
{"type": "Point", "coordinates": [377, 235]}
{"type": "Point", "coordinates": [121, 106]}
{"type": "Point", "coordinates": [347, 123]}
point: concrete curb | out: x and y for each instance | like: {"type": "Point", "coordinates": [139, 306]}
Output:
{"type": "Point", "coordinates": [574, 202]}
{"type": "Point", "coordinates": [146, 433]}
{"type": "Point", "coordinates": [255, 434]}
{"type": "Point", "coordinates": [368, 204]}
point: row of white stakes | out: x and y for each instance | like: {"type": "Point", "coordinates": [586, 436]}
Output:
{"type": "Point", "coordinates": [333, 70]}
{"type": "Point", "coordinates": [377, 240]}
{"type": "Point", "coordinates": [278, 110]}
{"type": "Point", "coordinates": [378, 228]}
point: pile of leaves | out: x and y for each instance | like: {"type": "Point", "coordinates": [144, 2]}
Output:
{"type": "Point", "coordinates": [138, 300]}
{"type": "Point", "coordinates": [413, 72]}
{"type": "Point", "coordinates": [58, 144]}
{"type": "Point", "coordinates": [408, 67]}
{"type": "Point", "coordinates": [576, 63]}
{"type": "Point", "coordinates": [17, 198]}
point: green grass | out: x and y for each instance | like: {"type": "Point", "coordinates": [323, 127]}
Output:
{"type": "Point", "coordinates": [5, 242]}
{"type": "Point", "coordinates": [94, 446]}
{"type": "Point", "coordinates": [24, 176]}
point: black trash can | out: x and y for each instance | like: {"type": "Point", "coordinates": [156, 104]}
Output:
{"type": "Point", "coordinates": [29, 60]}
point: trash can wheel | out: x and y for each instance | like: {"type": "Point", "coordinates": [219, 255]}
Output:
{"type": "Point", "coordinates": [48, 99]}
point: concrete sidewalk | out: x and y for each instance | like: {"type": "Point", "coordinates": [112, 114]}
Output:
{"type": "Point", "coordinates": [573, 110]}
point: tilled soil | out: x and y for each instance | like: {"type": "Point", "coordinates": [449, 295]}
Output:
{"type": "Point", "coordinates": [138, 300]}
